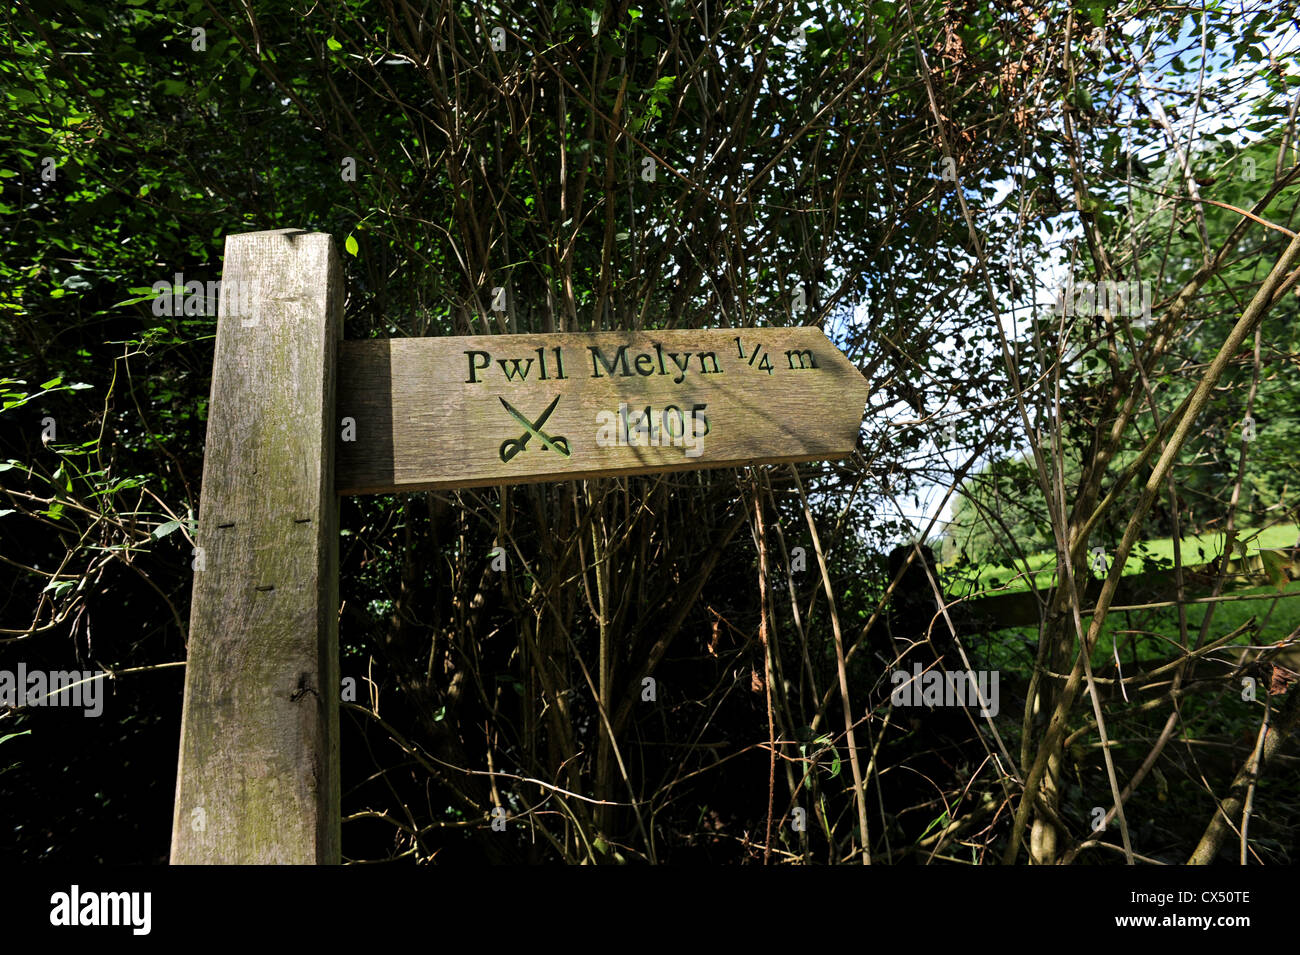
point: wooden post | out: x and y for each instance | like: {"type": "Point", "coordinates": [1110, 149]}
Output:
{"type": "Point", "coordinates": [258, 780]}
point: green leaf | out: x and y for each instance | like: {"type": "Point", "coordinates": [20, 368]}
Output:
{"type": "Point", "coordinates": [123, 485]}
{"type": "Point", "coordinates": [141, 298]}
{"type": "Point", "coordinates": [334, 44]}
{"type": "Point", "coordinates": [940, 820]}
{"type": "Point", "coordinates": [162, 530]}
{"type": "Point", "coordinates": [9, 736]}
{"type": "Point", "coordinates": [350, 243]}
{"type": "Point", "coordinates": [1275, 568]}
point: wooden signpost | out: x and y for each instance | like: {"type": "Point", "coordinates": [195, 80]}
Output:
{"type": "Point", "coordinates": [258, 779]}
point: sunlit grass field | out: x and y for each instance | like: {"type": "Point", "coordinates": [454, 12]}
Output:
{"type": "Point", "coordinates": [1152, 632]}
{"type": "Point", "coordinates": [1201, 549]}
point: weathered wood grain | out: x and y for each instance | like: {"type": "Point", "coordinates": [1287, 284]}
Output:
{"type": "Point", "coordinates": [258, 780]}
{"type": "Point", "coordinates": [428, 413]}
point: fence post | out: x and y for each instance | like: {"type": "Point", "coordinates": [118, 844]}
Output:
{"type": "Point", "coordinates": [258, 780]}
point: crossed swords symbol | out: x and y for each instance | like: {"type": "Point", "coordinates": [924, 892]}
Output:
{"type": "Point", "coordinates": [512, 446]}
